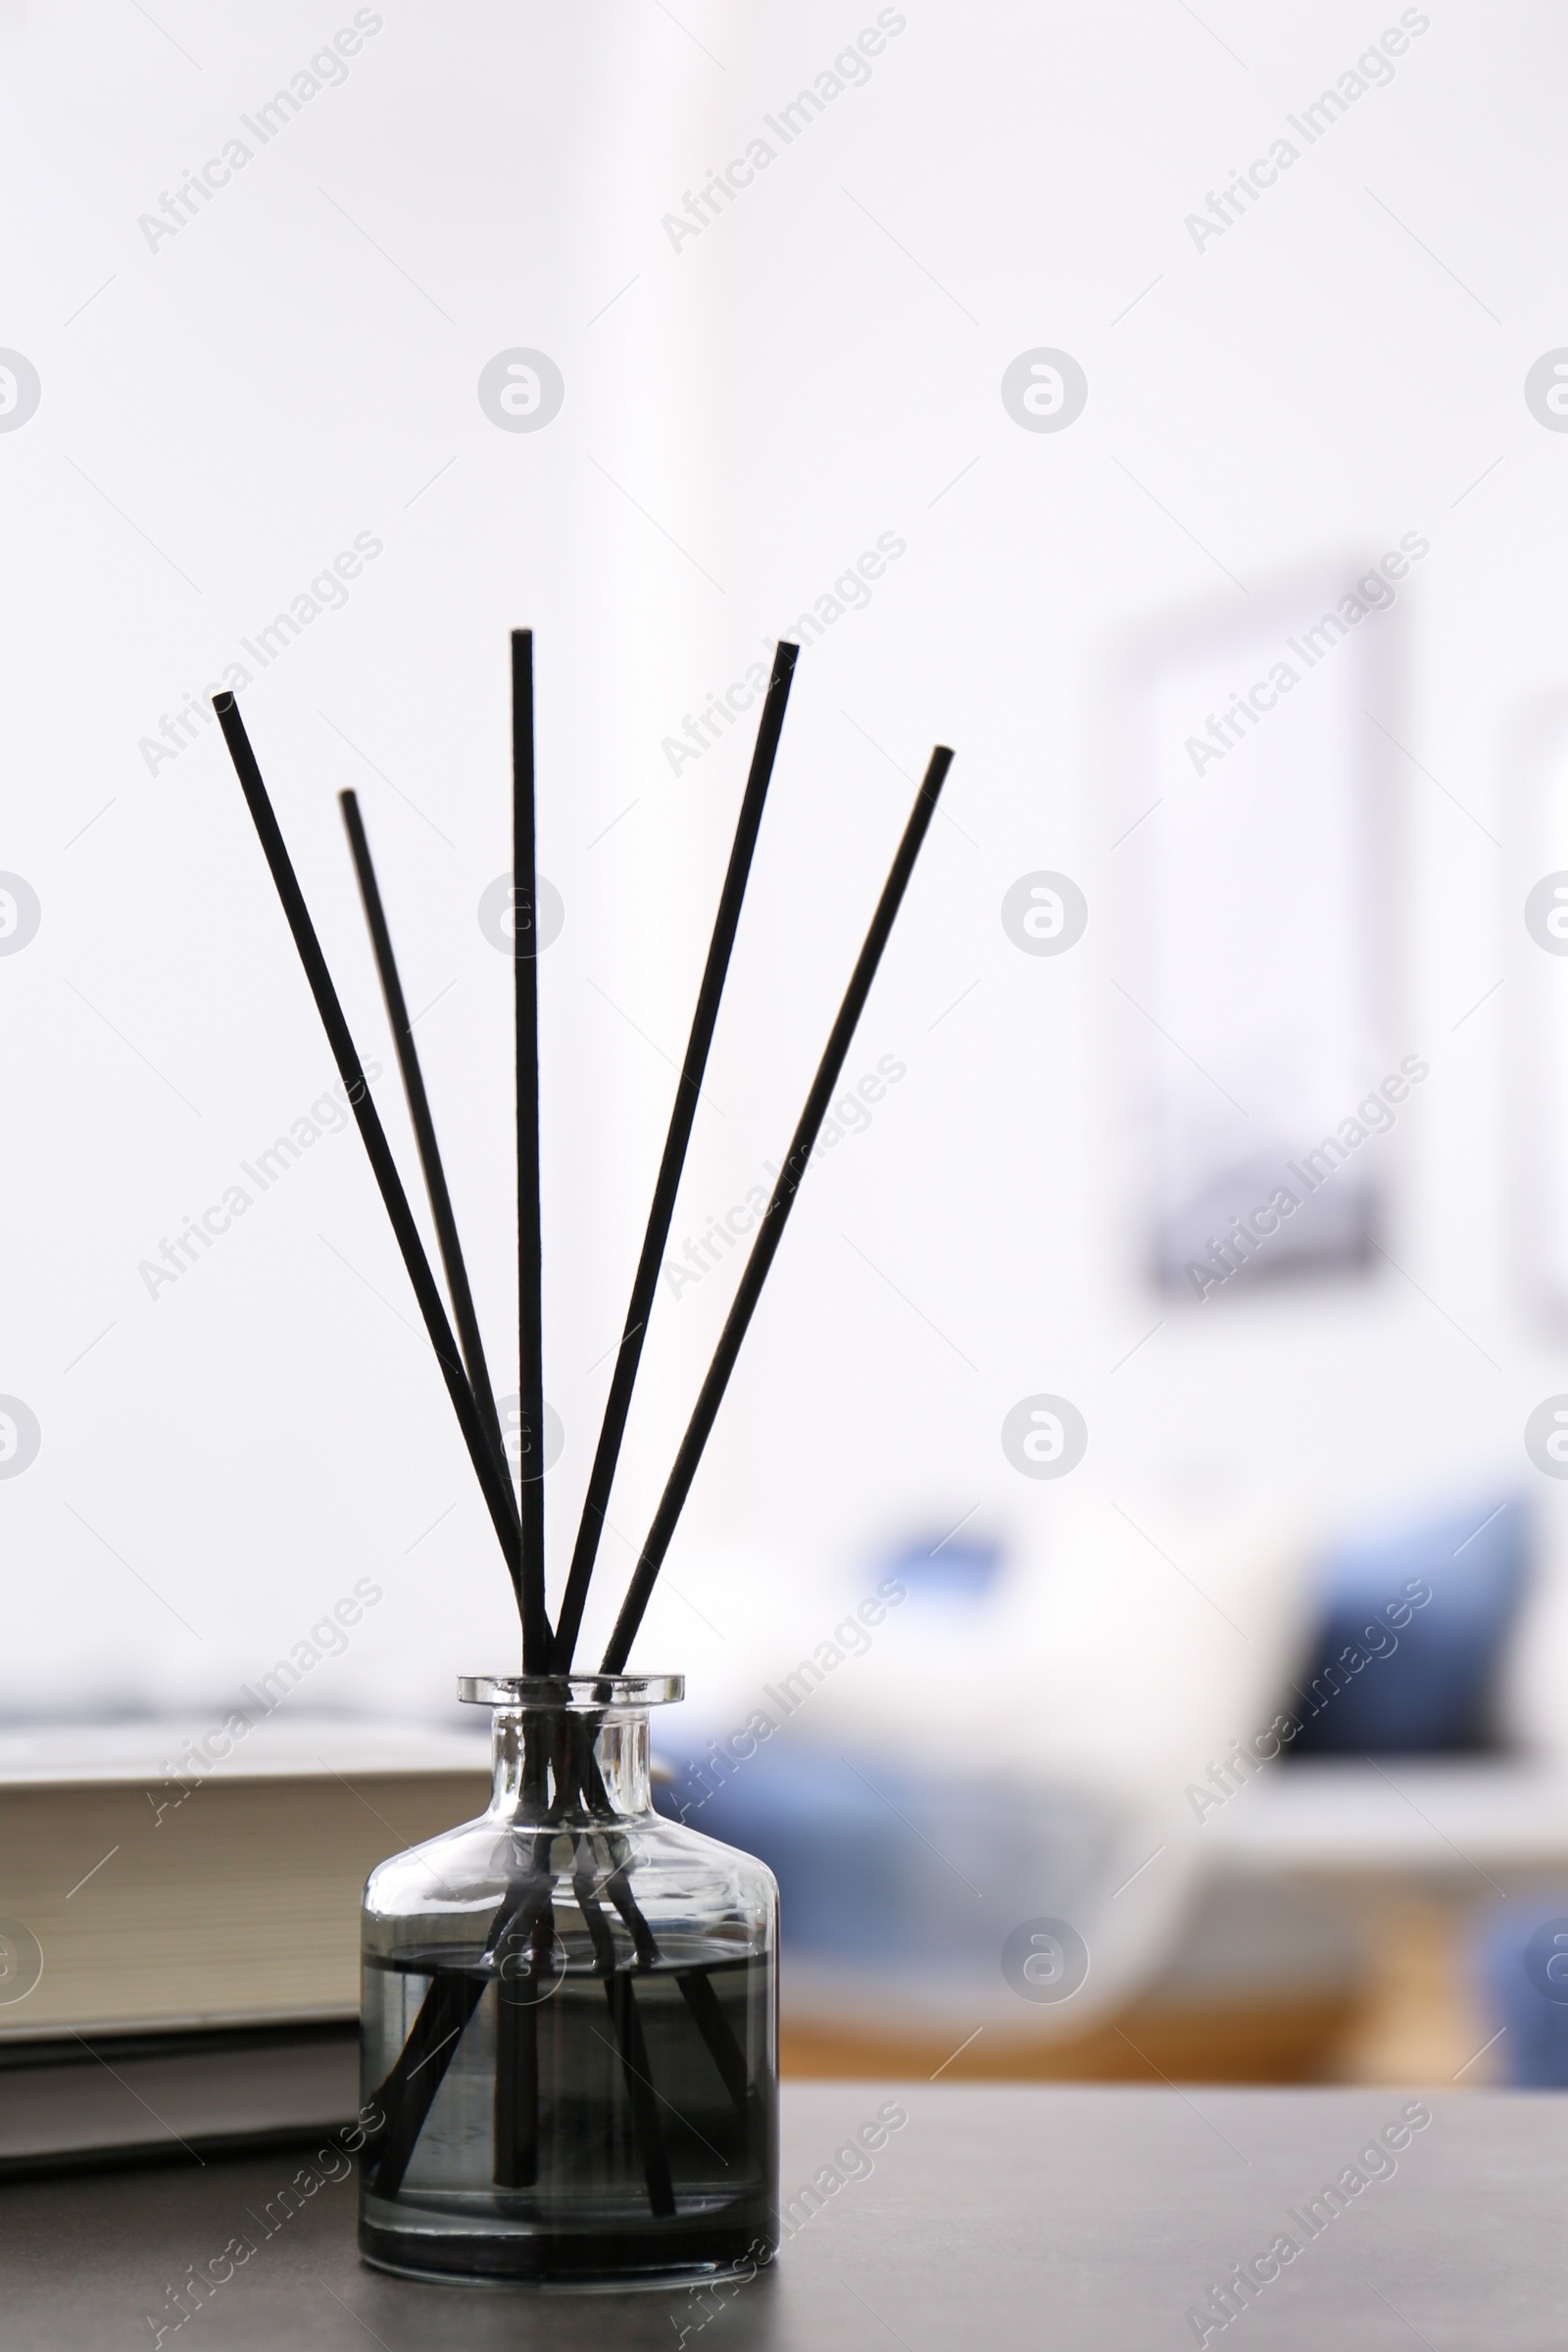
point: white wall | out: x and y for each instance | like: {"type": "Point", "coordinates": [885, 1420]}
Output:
{"type": "Point", "coordinates": [816, 368]}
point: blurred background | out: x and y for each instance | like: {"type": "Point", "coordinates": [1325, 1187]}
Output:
{"type": "Point", "coordinates": [1136, 1517]}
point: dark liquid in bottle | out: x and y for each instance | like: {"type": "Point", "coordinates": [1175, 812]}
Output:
{"type": "Point", "coordinates": [582, 2127]}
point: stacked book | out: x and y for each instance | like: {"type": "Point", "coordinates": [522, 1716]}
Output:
{"type": "Point", "coordinates": [180, 1924]}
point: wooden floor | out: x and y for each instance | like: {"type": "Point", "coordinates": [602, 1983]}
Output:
{"type": "Point", "coordinates": [1413, 2020]}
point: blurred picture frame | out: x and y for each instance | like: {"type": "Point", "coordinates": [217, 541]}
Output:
{"type": "Point", "coordinates": [1536, 964]}
{"type": "Point", "coordinates": [1259, 743]}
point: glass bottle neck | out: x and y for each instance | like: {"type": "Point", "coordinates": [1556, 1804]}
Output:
{"type": "Point", "coordinates": [570, 1764]}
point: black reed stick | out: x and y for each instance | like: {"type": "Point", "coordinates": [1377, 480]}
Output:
{"type": "Point", "coordinates": [641, 2098]}
{"type": "Point", "coordinates": [495, 1486]}
{"type": "Point", "coordinates": [686, 1091]}
{"type": "Point", "coordinates": [536, 1633]}
{"type": "Point", "coordinates": [404, 2099]}
{"type": "Point", "coordinates": [435, 1181]}
{"type": "Point", "coordinates": [770, 1230]}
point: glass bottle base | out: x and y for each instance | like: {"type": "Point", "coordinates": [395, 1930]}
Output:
{"type": "Point", "coordinates": [607, 2262]}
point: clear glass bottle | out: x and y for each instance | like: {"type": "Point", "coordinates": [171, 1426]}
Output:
{"type": "Point", "coordinates": [570, 2038]}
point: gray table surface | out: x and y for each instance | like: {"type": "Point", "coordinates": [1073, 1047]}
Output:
{"type": "Point", "coordinates": [1019, 2216]}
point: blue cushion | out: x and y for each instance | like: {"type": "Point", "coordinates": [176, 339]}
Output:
{"type": "Point", "coordinates": [1522, 1961]}
{"type": "Point", "coordinates": [878, 1861]}
{"type": "Point", "coordinates": [1423, 1685]}
{"type": "Point", "coordinates": [959, 1566]}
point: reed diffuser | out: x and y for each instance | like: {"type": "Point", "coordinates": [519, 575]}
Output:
{"type": "Point", "coordinates": [569, 2005]}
